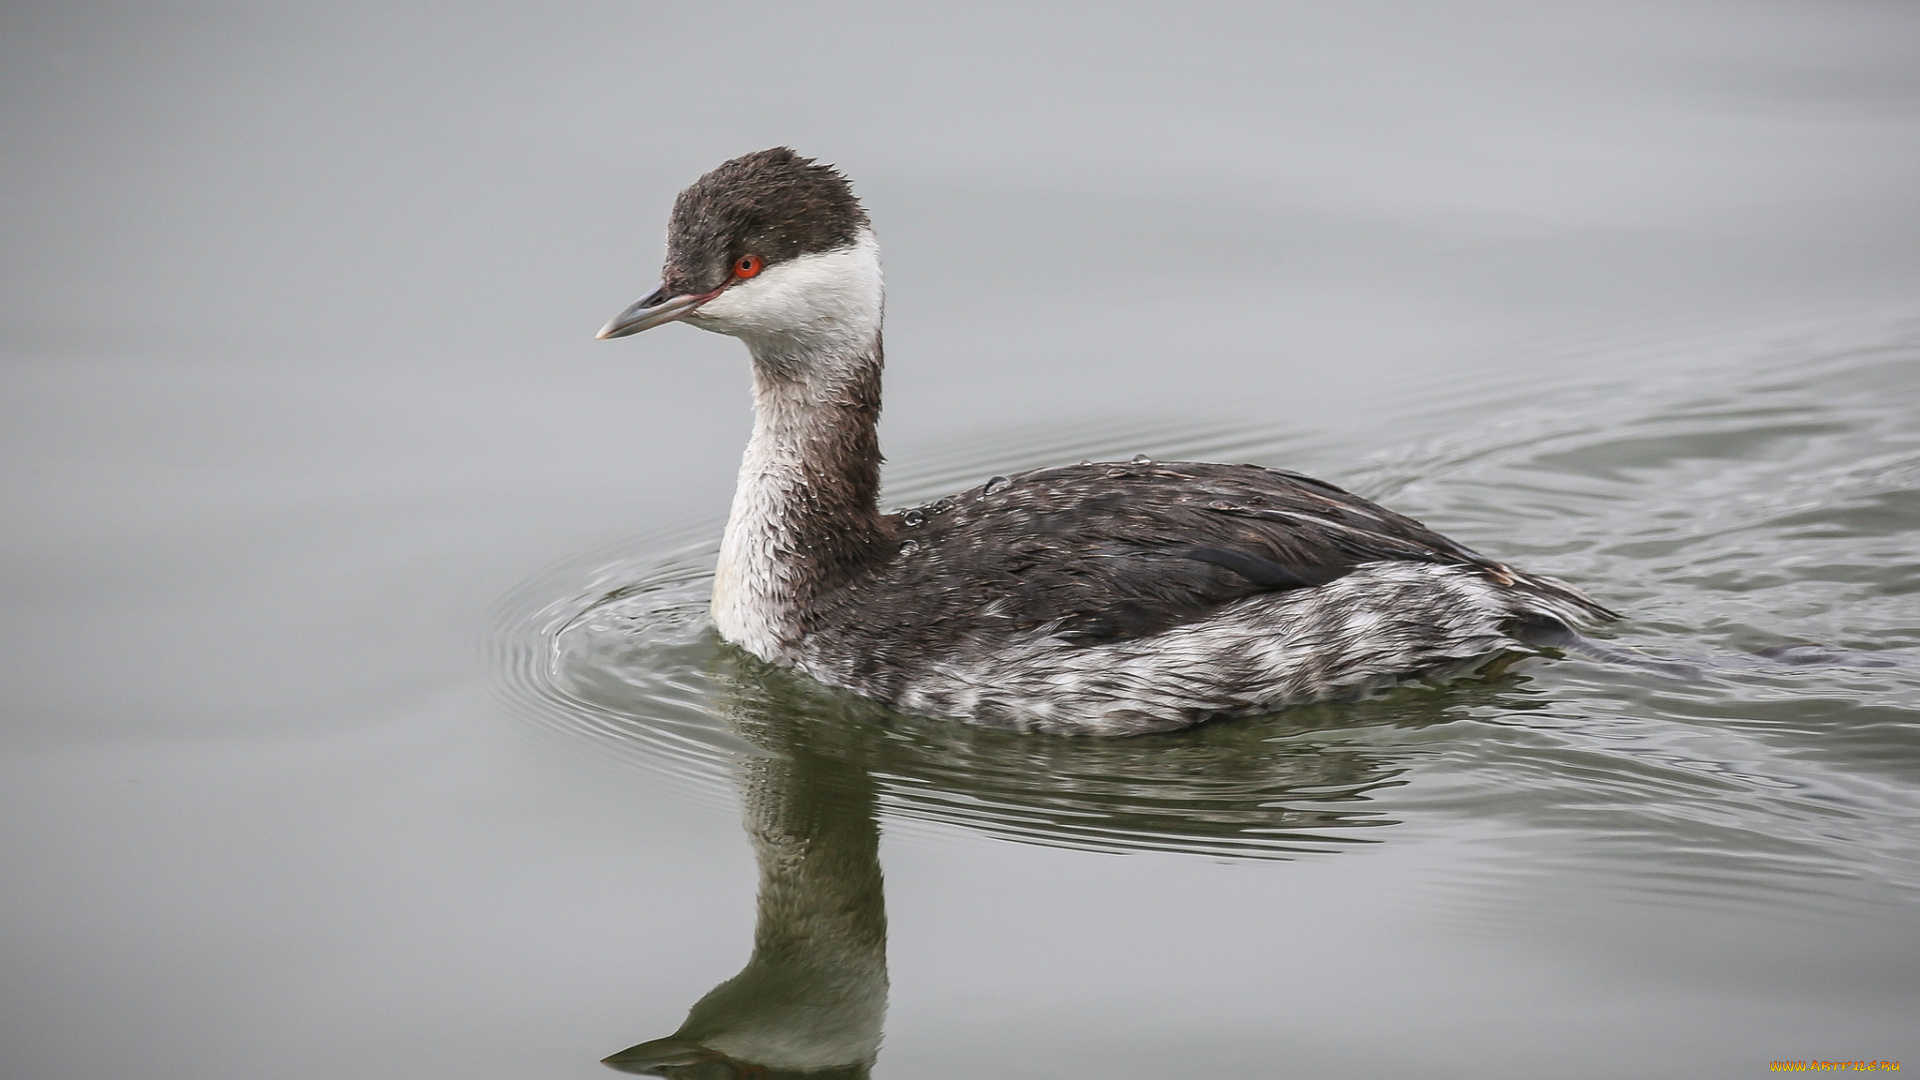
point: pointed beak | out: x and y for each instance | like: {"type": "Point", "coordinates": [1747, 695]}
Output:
{"type": "Point", "coordinates": [658, 306]}
{"type": "Point", "coordinates": [659, 1054]}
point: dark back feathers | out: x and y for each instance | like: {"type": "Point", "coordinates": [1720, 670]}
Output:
{"type": "Point", "coordinates": [1102, 552]}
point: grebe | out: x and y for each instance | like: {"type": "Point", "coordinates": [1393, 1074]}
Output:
{"type": "Point", "coordinates": [1101, 599]}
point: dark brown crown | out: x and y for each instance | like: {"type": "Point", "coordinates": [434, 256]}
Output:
{"type": "Point", "coordinates": [773, 203]}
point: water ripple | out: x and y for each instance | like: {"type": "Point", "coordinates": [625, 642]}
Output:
{"type": "Point", "coordinates": [1767, 503]}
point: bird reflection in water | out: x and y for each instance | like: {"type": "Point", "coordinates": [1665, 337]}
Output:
{"type": "Point", "coordinates": [811, 1000]}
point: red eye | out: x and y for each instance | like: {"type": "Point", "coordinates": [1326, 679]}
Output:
{"type": "Point", "coordinates": [748, 266]}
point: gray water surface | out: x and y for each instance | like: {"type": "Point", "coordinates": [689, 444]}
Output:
{"type": "Point", "coordinates": [360, 713]}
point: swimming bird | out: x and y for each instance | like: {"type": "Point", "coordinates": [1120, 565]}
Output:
{"type": "Point", "coordinates": [1109, 598]}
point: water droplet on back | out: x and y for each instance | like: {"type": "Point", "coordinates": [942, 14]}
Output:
{"type": "Point", "coordinates": [913, 517]}
{"type": "Point", "coordinates": [1142, 459]}
{"type": "Point", "coordinates": [996, 485]}
{"type": "Point", "coordinates": [909, 547]}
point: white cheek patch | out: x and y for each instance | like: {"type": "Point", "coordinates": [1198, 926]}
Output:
{"type": "Point", "coordinates": [820, 302]}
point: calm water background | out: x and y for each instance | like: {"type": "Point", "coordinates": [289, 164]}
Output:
{"type": "Point", "coordinates": [310, 458]}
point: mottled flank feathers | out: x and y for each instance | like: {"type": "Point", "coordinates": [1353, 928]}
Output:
{"type": "Point", "coordinates": [1115, 598]}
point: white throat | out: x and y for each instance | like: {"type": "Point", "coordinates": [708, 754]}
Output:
{"type": "Point", "coordinates": [813, 326]}
{"type": "Point", "coordinates": [817, 305]}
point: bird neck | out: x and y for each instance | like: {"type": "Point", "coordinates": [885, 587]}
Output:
{"type": "Point", "coordinates": [806, 509]}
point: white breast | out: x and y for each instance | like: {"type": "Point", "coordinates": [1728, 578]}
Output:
{"type": "Point", "coordinates": [813, 326]}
